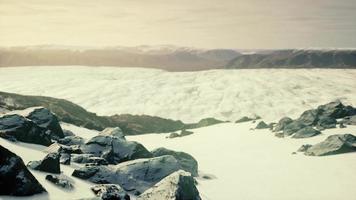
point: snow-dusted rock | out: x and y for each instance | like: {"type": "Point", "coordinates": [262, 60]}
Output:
{"type": "Point", "coordinates": [110, 192]}
{"type": "Point", "coordinates": [49, 164]}
{"type": "Point", "coordinates": [60, 181]}
{"type": "Point", "coordinates": [46, 119]}
{"type": "Point", "coordinates": [306, 132]}
{"type": "Point", "coordinates": [88, 159]}
{"type": "Point", "coordinates": [71, 140]}
{"type": "Point", "coordinates": [19, 128]}
{"type": "Point", "coordinates": [115, 132]}
{"type": "Point", "coordinates": [187, 161]}
{"type": "Point", "coordinates": [136, 175]}
{"type": "Point", "coordinates": [15, 178]}
{"type": "Point", "coordinates": [177, 186]}
{"type": "Point", "coordinates": [334, 144]}
{"type": "Point", "coordinates": [114, 149]}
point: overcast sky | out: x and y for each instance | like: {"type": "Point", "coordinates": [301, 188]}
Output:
{"type": "Point", "coordinates": [198, 23]}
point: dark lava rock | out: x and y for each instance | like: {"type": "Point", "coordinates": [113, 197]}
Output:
{"type": "Point", "coordinates": [15, 178]}
{"type": "Point", "coordinates": [59, 148]}
{"type": "Point", "coordinates": [110, 192]}
{"type": "Point", "coordinates": [293, 127]}
{"type": "Point", "coordinates": [46, 119]}
{"type": "Point", "coordinates": [326, 122]}
{"type": "Point", "coordinates": [49, 164]}
{"type": "Point", "coordinates": [60, 181]}
{"type": "Point", "coordinates": [71, 140]}
{"type": "Point", "coordinates": [65, 159]}
{"type": "Point", "coordinates": [89, 159]}
{"type": "Point", "coordinates": [337, 110]}
{"type": "Point", "coordinates": [334, 144]}
{"type": "Point", "coordinates": [24, 130]}
{"type": "Point", "coordinates": [282, 123]}
{"type": "Point", "coordinates": [187, 161]}
{"type": "Point", "coordinates": [262, 125]}
{"type": "Point", "coordinates": [304, 147]}
{"type": "Point", "coordinates": [306, 132]}
{"type": "Point", "coordinates": [179, 185]}
{"type": "Point", "coordinates": [309, 117]}
{"type": "Point", "coordinates": [114, 149]}
{"type": "Point", "coordinates": [136, 175]}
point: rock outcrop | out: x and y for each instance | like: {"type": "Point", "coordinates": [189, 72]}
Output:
{"type": "Point", "coordinates": [187, 161]}
{"type": "Point", "coordinates": [15, 178]}
{"type": "Point", "coordinates": [179, 185]}
{"type": "Point", "coordinates": [16, 127]}
{"type": "Point", "coordinates": [136, 176]}
{"type": "Point", "coordinates": [334, 144]}
{"type": "Point", "coordinates": [49, 164]}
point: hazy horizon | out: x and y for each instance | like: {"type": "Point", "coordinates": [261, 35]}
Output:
{"type": "Point", "coordinates": [239, 24]}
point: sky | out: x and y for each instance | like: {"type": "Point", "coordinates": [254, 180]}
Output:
{"type": "Point", "coordinates": [240, 24]}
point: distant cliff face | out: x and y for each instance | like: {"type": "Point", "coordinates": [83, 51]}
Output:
{"type": "Point", "coordinates": [296, 59]}
{"type": "Point", "coordinates": [166, 58]}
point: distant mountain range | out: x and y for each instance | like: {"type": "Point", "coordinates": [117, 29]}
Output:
{"type": "Point", "coordinates": [172, 58]}
{"type": "Point", "coordinates": [296, 59]}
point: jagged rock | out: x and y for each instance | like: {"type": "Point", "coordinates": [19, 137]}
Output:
{"type": "Point", "coordinates": [350, 120]}
{"type": "Point", "coordinates": [59, 148]}
{"type": "Point", "coordinates": [115, 132]}
{"type": "Point", "coordinates": [136, 175]}
{"type": "Point", "coordinates": [46, 119]}
{"type": "Point", "coordinates": [309, 117]}
{"type": "Point", "coordinates": [110, 192]}
{"type": "Point", "coordinates": [17, 127]}
{"type": "Point", "coordinates": [71, 140]}
{"type": "Point", "coordinates": [177, 186]}
{"type": "Point", "coordinates": [89, 159]}
{"type": "Point", "coordinates": [293, 127]}
{"type": "Point", "coordinates": [187, 161]}
{"type": "Point", "coordinates": [282, 123]}
{"type": "Point", "coordinates": [60, 181]}
{"type": "Point", "coordinates": [306, 132]}
{"type": "Point", "coordinates": [49, 164]}
{"type": "Point", "coordinates": [67, 133]}
{"type": "Point", "coordinates": [334, 144]}
{"type": "Point", "coordinates": [15, 178]}
{"type": "Point", "coordinates": [262, 125]}
{"type": "Point", "coordinates": [185, 133]}
{"type": "Point", "coordinates": [173, 135]}
{"type": "Point", "coordinates": [114, 149]}
{"type": "Point", "coordinates": [65, 159]}
{"type": "Point", "coordinates": [326, 122]}
{"type": "Point", "coordinates": [336, 110]}
{"type": "Point", "coordinates": [304, 147]}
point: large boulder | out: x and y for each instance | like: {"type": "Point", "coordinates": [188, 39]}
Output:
{"type": "Point", "coordinates": [110, 192]}
{"type": "Point", "coordinates": [19, 128]}
{"type": "Point", "coordinates": [310, 117]}
{"type": "Point", "coordinates": [46, 119]}
{"type": "Point", "coordinates": [325, 122]}
{"type": "Point", "coordinates": [306, 132]}
{"type": "Point", "coordinates": [115, 132]}
{"type": "Point", "coordinates": [136, 175]}
{"type": "Point", "coordinates": [114, 149]}
{"type": "Point", "coordinates": [49, 164]}
{"type": "Point", "coordinates": [187, 161]}
{"type": "Point", "coordinates": [336, 110]}
{"type": "Point", "coordinates": [15, 178]}
{"type": "Point", "coordinates": [282, 123]}
{"type": "Point", "coordinates": [179, 185]}
{"type": "Point", "coordinates": [71, 140]}
{"type": "Point", "coordinates": [293, 127]}
{"type": "Point", "coordinates": [334, 144]}
{"type": "Point", "coordinates": [89, 159]}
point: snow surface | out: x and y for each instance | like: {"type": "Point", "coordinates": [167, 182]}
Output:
{"type": "Point", "coordinates": [256, 165]}
{"type": "Point", "coordinates": [188, 96]}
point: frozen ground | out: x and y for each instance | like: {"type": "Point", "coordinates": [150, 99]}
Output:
{"type": "Point", "coordinates": [255, 165]}
{"type": "Point", "coordinates": [188, 96]}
